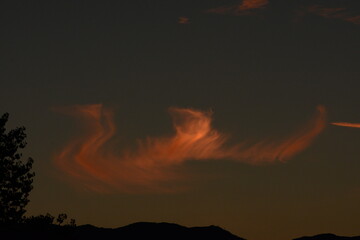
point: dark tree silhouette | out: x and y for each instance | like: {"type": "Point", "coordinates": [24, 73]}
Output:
{"type": "Point", "coordinates": [49, 220]}
{"type": "Point", "coordinates": [16, 177]}
{"type": "Point", "coordinates": [40, 220]}
{"type": "Point", "coordinates": [61, 218]}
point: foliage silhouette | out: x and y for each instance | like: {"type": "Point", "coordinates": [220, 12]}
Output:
{"type": "Point", "coordinates": [61, 218]}
{"type": "Point", "coordinates": [40, 220]}
{"type": "Point", "coordinates": [16, 177]}
{"type": "Point", "coordinates": [48, 219]}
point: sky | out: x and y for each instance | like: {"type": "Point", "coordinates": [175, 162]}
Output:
{"type": "Point", "coordinates": [238, 113]}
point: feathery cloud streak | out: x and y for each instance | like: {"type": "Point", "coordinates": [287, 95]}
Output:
{"type": "Point", "coordinates": [334, 13]}
{"type": "Point", "coordinates": [245, 7]}
{"type": "Point", "coordinates": [91, 161]}
{"type": "Point", "coordinates": [183, 20]}
{"type": "Point", "coordinates": [249, 7]}
{"type": "Point", "coordinates": [346, 124]}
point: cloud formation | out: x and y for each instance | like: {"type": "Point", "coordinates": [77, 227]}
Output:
{"type": "Point", "coordinates": [346, 124]}
{"type": "Point", "coordinates": [155, 163]}
{"type": "Point", "coordinates": [334, 13]}
{"type": "Point", "coordinates": [183, 20]}
{"type": "Point", "coordinates": [243, 8]}
{"type": "Point", "coordinates": [250, 7]}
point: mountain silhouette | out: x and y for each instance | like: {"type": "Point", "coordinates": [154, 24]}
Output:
{"type": "Point", "coordinates": [136, 231]}
{"type": "Point", "coordinates": [328, 236]}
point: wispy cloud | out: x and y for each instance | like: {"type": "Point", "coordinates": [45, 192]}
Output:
{"type": "Point", "coordinates": [346, 124]}
{"type": "Point", "coordinates": [354, 19]}
{"type": "Point", "coordinates": [93, 162]}
{"type": "Point", "coordinates": [334, 13]}
{"type": "Point", "coordinates": [250, 7]}
{"type": "Point", "coordinates": [183, 20]}
{"type": "Point", "coordinates": [243, 8]}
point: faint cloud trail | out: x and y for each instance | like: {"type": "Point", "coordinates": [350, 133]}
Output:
{"type": "Point", "coordinates": [184, 20]}
{"type": "Point", "coordinates": [334, 13]}
{"type": "Point", "coordinates": [239, 9]}
{"type": "Point", "coordinates": [154, 165]}
{"type": "Point", "coordinates": [280, 151]}
{"type": "Point", "coordinates": [346, 124]}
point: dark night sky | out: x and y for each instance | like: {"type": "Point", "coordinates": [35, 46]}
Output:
{"type": "Point", "coordinates": [262, 69]}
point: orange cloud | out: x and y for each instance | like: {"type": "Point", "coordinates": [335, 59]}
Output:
{"type": "Point", "coordinates": [156, 162]}
{"type": "Point", "coordinates": [240, 9]}
{"type": "Point", "coordinates": [271, 151]}
{"type": "Point", "coordinates": [184, 20]}
{"type": "Point", "coordinates": [346, 124]}
{"type": "Point", "coordinates": [355, 19]}
{"type": "Point", "coordinates": [334, 13]}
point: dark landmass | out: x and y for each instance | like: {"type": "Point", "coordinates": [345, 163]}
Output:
{"type": "Point", "coordinates": [328, 236]}
{"type": "Point", "coordinates": [136, 231]}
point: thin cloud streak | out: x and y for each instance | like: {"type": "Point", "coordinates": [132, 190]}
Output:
{"type": "Point", "coordinates": [184, 20]}
{"type": "Point", "coordinates": [346, 124]}
{"type": "Point", "coordinates": [354, 19]}
{"type": "Point", "coordinates": [281, 151]}
{"type": "Point", "coordinates": [243, 8]}
{"type": "Point", "coordinates": [156, 162]}
{"type": "Point", "coordinates": [334, 13]}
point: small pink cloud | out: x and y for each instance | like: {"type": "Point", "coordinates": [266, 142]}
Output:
{"type": "Point", "coordinates": [355, 19]}
{"type": "Point", "coordinates": [334, 13]}
{"type": "Point", "coordinates": [244, 8]}
{"type": "Point", "coordinates": [184, 20]}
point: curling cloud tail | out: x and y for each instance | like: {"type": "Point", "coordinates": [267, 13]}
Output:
{"type": "Point", "coordinates": [155, 163]}
{"type": "Point", "coordinates": [346, 124]}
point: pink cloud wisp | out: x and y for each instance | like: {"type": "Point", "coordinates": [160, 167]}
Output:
{"type": "Point", "coordinates": [240, 9]}
{"type": "Point", "coordinates": [334, 13]}
{"type": "Point", "coordinates": [346, 124]}
{"type": "Point", "coordinates": [156, 163]}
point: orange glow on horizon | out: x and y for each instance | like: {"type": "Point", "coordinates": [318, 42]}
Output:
{"type": "Point", "coordinates": [156, 161]}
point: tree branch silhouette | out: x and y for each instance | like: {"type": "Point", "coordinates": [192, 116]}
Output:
{"type": "Point", "coordinates": [16, 177]}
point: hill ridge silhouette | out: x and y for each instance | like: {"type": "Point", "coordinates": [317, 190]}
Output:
{"type": "Point", "coordinates": [327, 236]}
{"type": "Point", "coordinates": [134, 231]}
